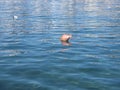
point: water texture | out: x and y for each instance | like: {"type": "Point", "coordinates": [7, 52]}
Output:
{"type": "Point", "coordinates": [33, 58]}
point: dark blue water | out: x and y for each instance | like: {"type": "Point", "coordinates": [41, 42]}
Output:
{"type": "Point", "coordinates": [33, 58]}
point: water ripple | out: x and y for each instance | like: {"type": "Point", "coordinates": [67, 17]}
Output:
{"type": "Point", "coordinates": [33, 58]}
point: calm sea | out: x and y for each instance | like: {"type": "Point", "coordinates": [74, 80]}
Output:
{"type": "Point", "coordinates": [33, 58]}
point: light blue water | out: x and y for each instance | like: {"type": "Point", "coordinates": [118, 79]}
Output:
{"type": "Point", "coordinates": [33, 58]}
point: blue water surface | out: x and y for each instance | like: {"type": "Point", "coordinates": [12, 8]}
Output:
{"type": "Point", "coordinates": [33, 58]}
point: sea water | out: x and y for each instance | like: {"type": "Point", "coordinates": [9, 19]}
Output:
{"type": "Point", "coordinates": [33, 58]}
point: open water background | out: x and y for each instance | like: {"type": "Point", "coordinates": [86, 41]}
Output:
{"type": "Point", "coordinates": [33, 58]}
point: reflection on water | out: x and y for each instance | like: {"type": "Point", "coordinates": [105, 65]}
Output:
{"type": "Point", "coordinates": [33, 58]}
{"type": "Point", "coordinates": [66, 43]}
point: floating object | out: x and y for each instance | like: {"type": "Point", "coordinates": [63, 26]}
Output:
{"type": "Point", "coordinates": [65, 37]}
{"type": "Point", "coordinates": [15, 17]}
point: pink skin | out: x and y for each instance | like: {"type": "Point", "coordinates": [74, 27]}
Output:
{"type": "Point", "coordinates": [65, 37]}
